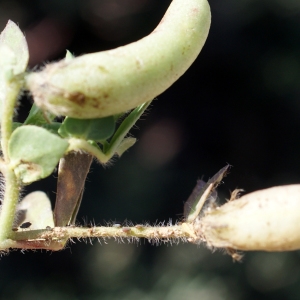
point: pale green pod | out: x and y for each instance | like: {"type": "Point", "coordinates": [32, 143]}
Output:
{"type": "Point", "coordinates": [35, 208]}
{"type": "Point", "coordinates": [263, 220]}
{"type": "Point", "coordinates": [111, 82]}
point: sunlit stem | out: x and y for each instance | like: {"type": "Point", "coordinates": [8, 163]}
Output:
{"type": "Point", "coordinates": [82, 145]}
{"type": "Point", "coordinates": [33, 244]}
{"type": "Point", "coordinates": [182, 232]}
{"type": "Point", "coordinates": [11, 194]}
{"type": "Point", "coordinates": [10, 201]}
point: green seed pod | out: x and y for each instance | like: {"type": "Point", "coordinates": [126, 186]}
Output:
{"type": "Point", "coordinates": [111, 82]}
{"type": "Point", "coordinates": [263, 220]}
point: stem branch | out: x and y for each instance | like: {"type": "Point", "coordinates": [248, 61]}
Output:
{"type": "Point", "coordinates": [82, 145]}
{"type": "Point", "coordinates": [11, 194]}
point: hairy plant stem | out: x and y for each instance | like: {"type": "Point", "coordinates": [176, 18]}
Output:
{"type": "Point", "coordinates": [55, 236]}
{"type": "Point", "coordinates": [11, 194]}
{"type": "Point", "coordinates": [32, 245]}
{"type": "Point", "coordinates": [10, 201]}
{"type": "Point", "coordinates": [82, 145]}
{"type": "Point", "coordinates": [2, 166]}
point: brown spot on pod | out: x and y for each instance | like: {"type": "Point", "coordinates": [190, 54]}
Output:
{"type": "Point", "coordinates": [76, 97]}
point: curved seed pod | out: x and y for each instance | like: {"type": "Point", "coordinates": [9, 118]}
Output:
{"type": "Point", "coordinates": [263, 220]}
{"type": "Point", "coordinates": [110, 82]}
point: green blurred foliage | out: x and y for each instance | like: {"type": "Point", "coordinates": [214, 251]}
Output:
{"type": "Point", "coordinates": [238, 104]}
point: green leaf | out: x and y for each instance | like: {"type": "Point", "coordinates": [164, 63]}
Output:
{"type": "Point", "coordinates": [88, 129]}
{"type": "Point", "coordinates": [13, 60]}
{"type": "Point", "coordinates": [38, 117]}
{"type": "Point", "coordinates": [52, 127]}
{"type": "Point", "coordinates": [13, 49]}
{"type": "Point", "coordinates": [15, 125]}
{"type": "Point", "coordinates": [7, 61]}
{"type": "Point", "coordinates": [125, 145]}
{"type": "Point", "coordinates": [123, 130]}
{"type": "Point", "coordinates": [34, 152]}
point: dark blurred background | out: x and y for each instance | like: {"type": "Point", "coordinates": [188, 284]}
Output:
{"type": "Point", "coordinates": [239, 103]}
